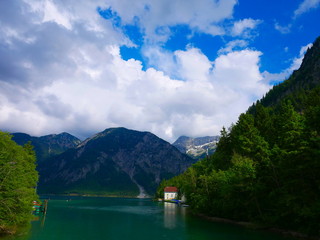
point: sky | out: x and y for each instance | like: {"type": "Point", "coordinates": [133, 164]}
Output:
{"type": "Point", "coordinates": [171, 67]}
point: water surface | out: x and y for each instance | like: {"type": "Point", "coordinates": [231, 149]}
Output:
{"type": "Point", "coordinates": [88, 218]}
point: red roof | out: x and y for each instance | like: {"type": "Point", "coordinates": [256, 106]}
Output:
{"type": "Point", "coordinates": [171, 189]}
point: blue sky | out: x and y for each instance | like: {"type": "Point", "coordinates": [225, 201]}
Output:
{"type": "Point", "coordinates": [278, 26]}
{"type": "Point", "coordinates": [171, 67]}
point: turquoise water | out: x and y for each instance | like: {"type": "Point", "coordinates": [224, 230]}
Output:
{"type": "Point", "coordinates": [88, 218]}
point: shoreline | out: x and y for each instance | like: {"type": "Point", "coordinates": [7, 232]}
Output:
{"type": "Point", "coordinates": [250, 225]}
{"type": "Point", "coordinates": [91, 195]}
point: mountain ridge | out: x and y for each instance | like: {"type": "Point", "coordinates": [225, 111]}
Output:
{"type": "Point", "coordinates": [116, 161]}
{"type": "Point", "coordinates": [48, 145]}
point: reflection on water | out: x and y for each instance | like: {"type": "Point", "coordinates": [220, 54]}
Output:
{"type": "Point", "coordinates": [170, 215]}
{"type": "Point", "coordinates": [173, 214]}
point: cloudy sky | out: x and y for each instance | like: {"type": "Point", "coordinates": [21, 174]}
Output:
{"type": "Point", "coordinates": [171, 67]}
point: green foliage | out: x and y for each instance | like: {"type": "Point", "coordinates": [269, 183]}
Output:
{"type": "Point", "coordinates": [222, 156]}
{"type": "Point", "coordinates": [18, 180]}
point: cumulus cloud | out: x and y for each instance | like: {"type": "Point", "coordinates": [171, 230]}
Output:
{"type": "Point", "coordinates": [61, 70]}
{"type": "Point", "coordinates": [306, 6]}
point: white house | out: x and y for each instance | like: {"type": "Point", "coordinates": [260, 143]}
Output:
{"type": "Point", "coordinates": [170, 193]}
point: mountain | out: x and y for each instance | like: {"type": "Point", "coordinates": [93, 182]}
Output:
{"type": "Point", "coordinates": [116, 161]}
{"type": "Point", "coordinates": [197, 148]}
{"type": "Point", "coordinates": [266, 166]}
{"type": "Point", "coordinates": [297, 87]}
{"type": "Point", "coordinates": [49, 145]}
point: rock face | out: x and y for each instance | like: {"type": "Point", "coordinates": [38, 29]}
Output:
{"type": "Point", "coordinates": [49, 145]}
{"type": "Point", "coordinates": [196, 148]}
{"type": "Point", "coordinates": [116, 161]}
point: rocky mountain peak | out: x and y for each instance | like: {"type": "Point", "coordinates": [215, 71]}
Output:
{"type": "Point", "coordinates": [196, 147]}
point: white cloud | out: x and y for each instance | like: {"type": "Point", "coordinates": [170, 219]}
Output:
{"type": "Point", "coordinates": [306, 6]}
{"type": "Point", "coordinates": [71, 77]}
{"type": "Point", "coordinates": [233, 45]}
{"type": "Point", "coordinates": [244, 27]}
{"type": "Point", "coordinates": [239, 72]}
{"type": "Point", "coordinates": [153, 15]}
{"type": "Point", "coordinates": [193, 65]}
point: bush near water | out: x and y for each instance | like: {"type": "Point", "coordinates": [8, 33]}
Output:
{"type": "Point", "coordinates": [18, 180]}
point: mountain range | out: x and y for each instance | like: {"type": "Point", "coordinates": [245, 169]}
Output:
{"type": "Point", "coordinates": [197, 148]}
{"type": "Point", "coordinates": [117, 161]}
{"type": "Point", "coordinates": [49, 145]}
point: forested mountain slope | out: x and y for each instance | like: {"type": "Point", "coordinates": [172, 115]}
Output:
{"type": "Point", "coordinates": [117, 161]}
{"type": "Point", "coordinates": [266, 166]}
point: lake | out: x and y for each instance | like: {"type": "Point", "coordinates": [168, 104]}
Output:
{"type": "Point", "coordinates": [94, 218]}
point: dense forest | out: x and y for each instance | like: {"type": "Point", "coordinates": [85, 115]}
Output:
{"type": "Point", "coordinates": [266, 166]}
{"type": "Point", "coordinates": [18, 180]}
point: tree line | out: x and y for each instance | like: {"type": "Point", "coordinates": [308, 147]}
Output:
{"type": "Point", "coordinates": [18, 181]}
